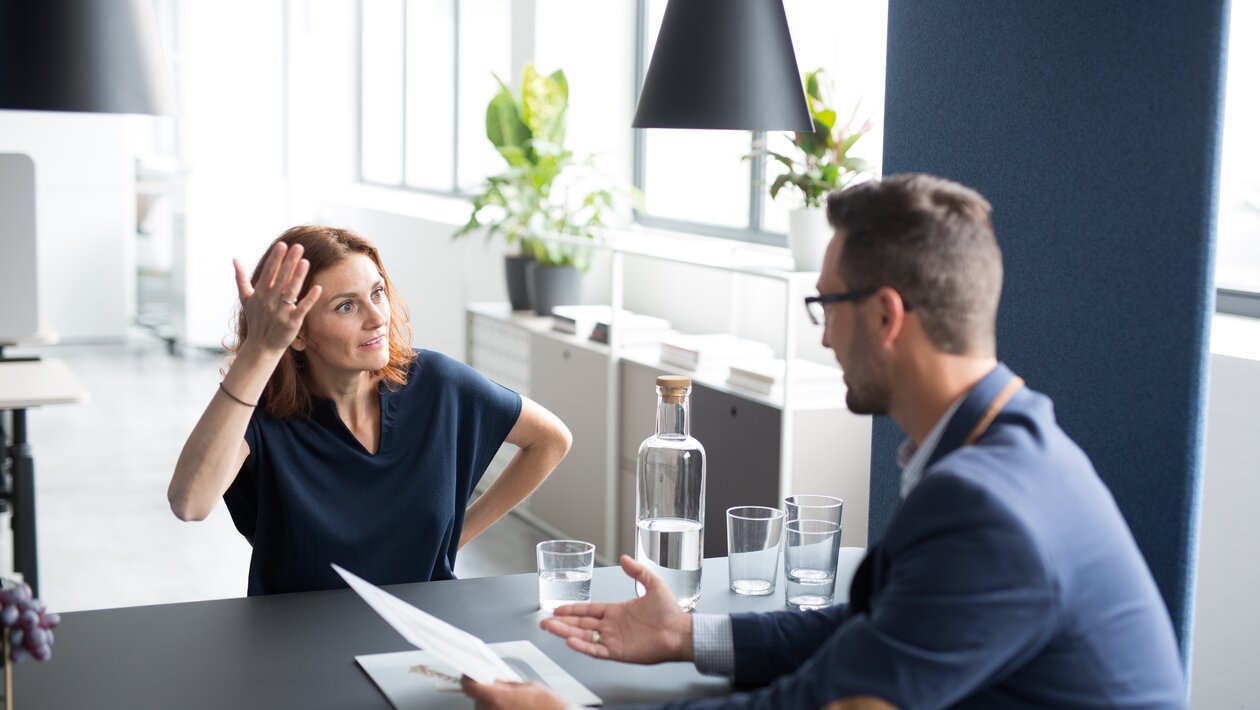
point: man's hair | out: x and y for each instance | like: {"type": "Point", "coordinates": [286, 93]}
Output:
{"type": "Point", "coordinates": [932, 241]}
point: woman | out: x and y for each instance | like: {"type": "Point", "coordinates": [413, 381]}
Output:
{"type": "Point", "coordinates": [331, 440]}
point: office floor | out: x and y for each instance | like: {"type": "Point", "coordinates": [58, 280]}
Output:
{"type": "Point", "coordinates": [106, 535]}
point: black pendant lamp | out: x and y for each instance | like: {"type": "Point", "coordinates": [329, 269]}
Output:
{"type": "Point", "coordinates": [98, 56]}
{"type": "Point", "coordinates": [724, 64]}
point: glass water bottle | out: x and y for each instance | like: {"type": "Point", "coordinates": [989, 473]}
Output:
{"type": "Point", "coordinates": [670, 480]}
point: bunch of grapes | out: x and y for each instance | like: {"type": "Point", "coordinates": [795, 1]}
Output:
{"type": "Point", "coordinates": [27, 623]}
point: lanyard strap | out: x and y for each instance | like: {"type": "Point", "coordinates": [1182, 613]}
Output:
{"type": "Point", "coordinates": [994, 407]}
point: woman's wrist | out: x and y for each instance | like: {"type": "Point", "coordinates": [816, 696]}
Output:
{"type": "Point", "coordinates": [254, 353]}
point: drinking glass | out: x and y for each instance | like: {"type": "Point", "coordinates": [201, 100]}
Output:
{"type": "Point", "coordinates": [809, 563]}
{"type": "Point", "coordinates": [564, 572]}
{"type": "Point", "coordinates": [753, 533]}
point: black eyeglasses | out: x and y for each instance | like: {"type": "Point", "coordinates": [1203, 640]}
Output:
{"type": "Point", "coordinates": [815, 306]}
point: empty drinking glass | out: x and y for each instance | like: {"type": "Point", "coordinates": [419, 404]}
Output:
{"type": "Point", "coordinates": [809, 562]}
{"type": "Point", "coordinates": [753, 533]}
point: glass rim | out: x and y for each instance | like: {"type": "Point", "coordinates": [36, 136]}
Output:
{"type": "Point", "coordinates": [795, 526]}
{"type": "Point", "coordinates": [773, 513]}
{"type": "Point", "coordinates": [587, 547]}
{"type": "Point", "coordinates": [834, 501]}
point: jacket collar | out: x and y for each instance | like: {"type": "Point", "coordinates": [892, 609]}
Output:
{"type": "Point", "coordinates": [973, 407]}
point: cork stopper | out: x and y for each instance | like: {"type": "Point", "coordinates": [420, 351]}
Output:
{"type": "Point", "coordinates": [673, 388]}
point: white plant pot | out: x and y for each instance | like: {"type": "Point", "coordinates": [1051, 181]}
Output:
{"type": "Point", "coordinates": [808, 234]}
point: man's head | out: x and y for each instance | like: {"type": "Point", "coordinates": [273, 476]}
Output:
{"type": "Point", "coordinates": [922, 248]}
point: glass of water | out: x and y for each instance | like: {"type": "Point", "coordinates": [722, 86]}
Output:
{"type": "Point", "coordinates": [564, 572]}
{"type": "Point", "coordinates": [809, 562]}
{"type": "Point", "coordinates": [753, 533]}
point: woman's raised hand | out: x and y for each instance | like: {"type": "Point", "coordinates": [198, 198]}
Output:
{"type": "Point", "coordinates": [271, 306]}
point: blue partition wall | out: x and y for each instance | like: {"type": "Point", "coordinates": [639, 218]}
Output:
{"type": "Point", "coordinates": [1093, 129]}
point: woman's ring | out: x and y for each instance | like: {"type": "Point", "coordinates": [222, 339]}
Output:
{"type": "Point", "coordinates": [287, 301]}
{"type": "Point", "coordinates": [594, 635]}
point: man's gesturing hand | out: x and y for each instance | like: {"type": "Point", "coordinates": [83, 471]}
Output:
{"type": "Point", "coordinates": [650, 629]}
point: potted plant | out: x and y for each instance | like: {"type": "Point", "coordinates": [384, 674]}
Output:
{"type": "Point", "coordinates": [544, 190]}
{"type": "Point", "coordinates": [822, 164]}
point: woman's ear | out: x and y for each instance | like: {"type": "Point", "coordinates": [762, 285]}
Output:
{"type": "Point", "coordinates": [299, 343]}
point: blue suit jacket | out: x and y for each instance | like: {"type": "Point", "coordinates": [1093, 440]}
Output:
{"type": "Point", "coordinates": [1006, 579]}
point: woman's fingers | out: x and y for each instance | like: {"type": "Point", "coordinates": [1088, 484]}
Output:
{"type": "Point", "coordinates": [288, 270]}
{"type": "Point", "coordinates": [242, 281]}
{"type": "Point", "coordinates": [305, 305]}
{"type": "Point", "coordinates": [271, 267]}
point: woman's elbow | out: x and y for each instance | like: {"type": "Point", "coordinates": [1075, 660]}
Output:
{"type": "Point", "coordinates": [564, 439]}
{"type": "Point", "coordinates": [185, 509]}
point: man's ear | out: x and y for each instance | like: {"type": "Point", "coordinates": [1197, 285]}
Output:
{"type": "Point", "coordinates": [892, 314]}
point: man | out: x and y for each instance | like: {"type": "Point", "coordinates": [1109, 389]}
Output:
{"type": "Point", "coordinates": [1007, 577]}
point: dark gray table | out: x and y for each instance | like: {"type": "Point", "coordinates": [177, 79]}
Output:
{"type": "Point", "coordinates": [297, 650]}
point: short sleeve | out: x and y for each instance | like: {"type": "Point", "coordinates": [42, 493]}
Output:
{"type": "Point", "coordinates": [241, 498]}
{"type": "Point", "coordinates": [488, 411]}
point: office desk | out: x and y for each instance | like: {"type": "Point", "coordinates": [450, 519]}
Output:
{"type": "Point", "coordinates": [297, 650]}
{"type": "Point", "coordinates": [25, 384]}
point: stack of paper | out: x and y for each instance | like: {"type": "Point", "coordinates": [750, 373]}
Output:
{"type": "Point", "coordinates": [634, 329]}
{"type": "Point", "coordinates": [578, 320]}
{"type": "Point", "coordinates": [692, 352]}
{"type": "Point", "coordinates": [765, 375]}
{"type": "Point", "coordinates": [596, 321]}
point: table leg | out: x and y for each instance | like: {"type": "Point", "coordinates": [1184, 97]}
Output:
{"type": "Point", "coordinates": [24, 559]}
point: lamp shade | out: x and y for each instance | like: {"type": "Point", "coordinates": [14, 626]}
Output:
{"type": "Point", "coordinates": [82, 55]}
{"type": "Point", "coordinates": [723, 64]}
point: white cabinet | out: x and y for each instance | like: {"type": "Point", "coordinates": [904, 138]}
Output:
{"type": "Point", "coordinates": [571, 380]}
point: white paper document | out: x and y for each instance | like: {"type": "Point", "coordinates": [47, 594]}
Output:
{"type": "Point", "coordinates": [420, 680]}
{"type": "Point", "coordinates": [460, 650]}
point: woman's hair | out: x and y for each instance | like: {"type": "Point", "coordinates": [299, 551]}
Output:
{"type": "Point", "coordinates": [288, 392]}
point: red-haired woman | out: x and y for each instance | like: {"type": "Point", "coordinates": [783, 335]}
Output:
{"type": "Point", "coordinates": [331, 440]}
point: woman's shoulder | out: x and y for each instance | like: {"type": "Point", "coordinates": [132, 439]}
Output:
{"type": "Point", "coordinates": [435, 368]}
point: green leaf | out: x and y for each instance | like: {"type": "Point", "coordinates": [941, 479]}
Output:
{"type": "Point", "coordinates": [504, 125]}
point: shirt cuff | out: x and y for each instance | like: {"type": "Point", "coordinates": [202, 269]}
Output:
{"type": "Point", "coordinates": [713, 644]}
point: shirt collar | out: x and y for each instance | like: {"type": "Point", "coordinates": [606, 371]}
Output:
{"type": "Point", "coordinates": [914, 459]}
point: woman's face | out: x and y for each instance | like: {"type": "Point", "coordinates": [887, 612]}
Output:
{"type": "Point", "coordinates": [348, 329]}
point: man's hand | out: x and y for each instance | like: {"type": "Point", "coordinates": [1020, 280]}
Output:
{"type": "Point", "coordinates": [504, 695]}
{"type": "Point", "coordinates": [650, 629]}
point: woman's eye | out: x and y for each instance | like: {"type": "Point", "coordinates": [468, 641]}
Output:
{"type": "Point", "coordinates": [345, 307]}
{"type": "Point", "coordinates": [378, 294]}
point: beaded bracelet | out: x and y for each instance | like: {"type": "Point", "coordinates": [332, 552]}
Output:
{"type": "Point", "coordinates": [234, 398]}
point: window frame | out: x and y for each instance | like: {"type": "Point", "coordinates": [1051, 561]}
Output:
{"type": "Point", "coordinates": [454, 189]}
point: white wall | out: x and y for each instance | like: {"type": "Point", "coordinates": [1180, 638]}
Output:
{"type": "Point", "coordinates": [1225, 623]}
{"type": "Point", "coordinates": [85, 217]}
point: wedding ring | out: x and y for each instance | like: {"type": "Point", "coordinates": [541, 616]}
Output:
{"type": "Point", "coordinates": [287, 301]}
{"type": "Point", "coordinates": [594, 635]}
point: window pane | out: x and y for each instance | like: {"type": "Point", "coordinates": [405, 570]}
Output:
{"type": "Point", "coordinates": [484, 48]}
{"type": "Point", "coordinates": [1238, 230]}
{"type": "Point", "coordinates": [848, 38]}
{"type": "Point", "coordinates": [430, 93]}
{"type": "Point", "coordinates": [381, 110]}
{"type": "Point", "coordinates": [697, 176]}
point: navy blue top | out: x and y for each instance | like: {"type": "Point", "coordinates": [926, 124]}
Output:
{"type": "Point", "coordinates": [309, 494]}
